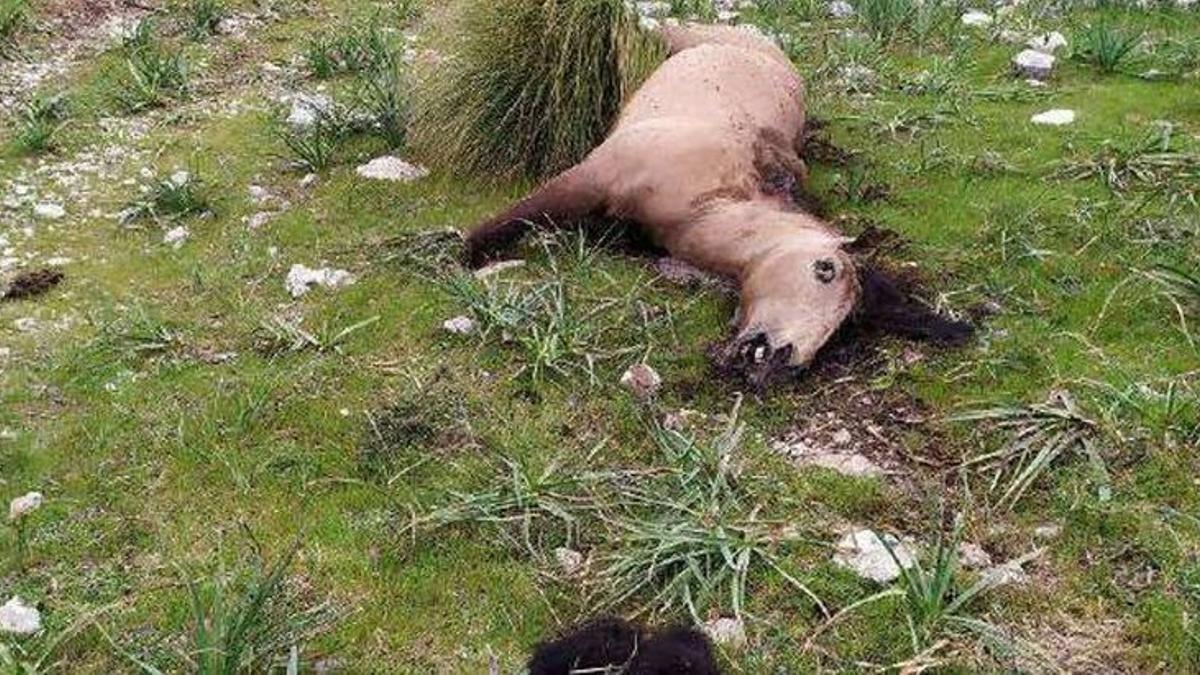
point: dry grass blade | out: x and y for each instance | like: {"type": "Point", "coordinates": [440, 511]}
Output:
{"type": "Point", "coordinates": [1154, 161]}
{"type": "Point", "coordinates": [1042, 433]}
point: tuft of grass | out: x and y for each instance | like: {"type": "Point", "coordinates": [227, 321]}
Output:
{"type": "Point", "coordinates": [38, 121]}
{"type": "Point", "coordinates": [531, 87]}
{"type": "Point", "coordinates": [313, 148]}
{"type": "Point", "coordinates": [13, 15]}
{"type": "Point", "coordinates": [177, 196]}
{"type": "Point", "coordinates": [154, 75]}
{"type": "Point", "coordinates": [1042, 434]}
{"type": "Point", "coordinates": [1154, 161]}
{"type": "Point", "coordinates": [141, 37]}
{"type": "Point", "coordinates": [352, 47]}
{"type": "Point", "coordinates": [1105, 47]}
{"type": "Point", "coordinates": [884, 19]}
{"type": "Point", "coordinates": [383, 95]}
{"type": "Point", "coordinates": [201, 18]}
{"type": "Point", "coordinates": [278, 336]}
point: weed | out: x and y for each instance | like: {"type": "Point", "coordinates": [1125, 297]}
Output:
{"type": "Point", "coordinates": [141, 37]}
{"type": "Point", "coordinates": [13, 14]}
{"type": "Point", "coordinates": [313, 147]}
{"type": "Point", "coordinates": [177, 196]}
{"type": "Point", "coordinates": [699, 9]}
{"type": "Point", "coordinates": [320, 53]}
{"type": "Point", "coordinates": [353, 47]}
{"type": "Point", "coordinates": [384, 96]}
{"type": "Point", "coordinates": [278, 336]}
{"type": "Point", "coordinates": [1105, 47]}
{"type": "Point", "coordinates": [1152, 161]}
{"type": "Point", "coordinates": [1182, 288]}
{"type": "Point", "coordinates": [38, 121]}
{"type": "Point", "coordinates": [534, 85]}
{"type": "Point", "coordinates": [884, 18]}
{"type": "Point", "coordinates": [153, 76]}
{"type": "Point", "coordinates": [201, 18]}
{"type": "Point", "coordinates": [1041, 435]}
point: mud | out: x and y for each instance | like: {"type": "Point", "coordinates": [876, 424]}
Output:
{"type": "Point", "coordinates": [32, 284]}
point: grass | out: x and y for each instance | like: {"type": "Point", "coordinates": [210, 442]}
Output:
{"type": "Point", "coordinates": [516, 105]}
{"type": "Point", "coordinates": [13, 15]}
{"type": "Point", "coordinates": [202, 18]}
{"type": "Point", "coordinates": [157, 412]}
{"type": "Point", "coordinates": [1106, 47]}
{"type": "Point", "coordinates": [179, 195]}
{"type": "Point", "coordinates": [38, 121]}
{"type": "Point", "coordinates": [154, 76]}
{"type": "Point", "coordinates": [314, 148]}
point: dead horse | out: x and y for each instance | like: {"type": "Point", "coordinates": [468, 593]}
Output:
{"type": "Point", "coordinates": [703, 159]}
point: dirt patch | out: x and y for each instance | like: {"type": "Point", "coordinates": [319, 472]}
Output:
{"type": "Point", "coordinates": [412, 431]}
{"type": "Point", "coordinates": [32, 283]}
{"type": "Point", "coordinates": [72, 18]}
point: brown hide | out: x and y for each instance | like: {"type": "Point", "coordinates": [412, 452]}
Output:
{"type": "Point", "coordinates": [701, 158]}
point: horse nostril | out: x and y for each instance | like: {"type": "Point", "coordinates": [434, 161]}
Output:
{"type": "Point", "coordinates": [824, 270]}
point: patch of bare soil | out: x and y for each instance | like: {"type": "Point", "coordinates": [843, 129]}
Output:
{"type": "Point", "coordinates": [31, 284]}
{"type": "Point", "coordinates": [72, 18]}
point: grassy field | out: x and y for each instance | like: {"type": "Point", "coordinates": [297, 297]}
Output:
{"type": "Point", "coordinates": [234, 477]}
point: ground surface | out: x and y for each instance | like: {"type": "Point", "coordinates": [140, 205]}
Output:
{"type": "Point", "coordinates": [183, 414]}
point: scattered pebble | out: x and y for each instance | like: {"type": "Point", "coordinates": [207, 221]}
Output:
{"type": "Point", "coordinates": [49, 211]}
{"type": "Point", "coordinates": [569, 560]}
{"type": "Point", "coordinates": [642, 380]}
{"type": "Point", "coordinates": [840, 9]}
{"type": "Point", "coordinates": [1057, 117]}
{"type": "Point", "coordinates": [865, 553]}
{"type": "Point", "coordinates": [977, 19]}
{"type": "Point", "coordinates": [300, 279]}
{"type": "Point", "coordinates": [180, 178]}
{"type": "Point", "coordinates": [727, 632]}
{"type": "Point", "coordinates": [24, 505]}
{"type": "Point", "coordinates": [1047, 531]}
{"type": "Point", "coordinates": [1009, 573]}
{"type": "Point", "coordinates": [309, 180]}
{"type": "Point", "coordinates": [307, 109]}
{"type": "Point", "coordinates": [18, 618]}
{"type": "Point", "coordinates": [459, 325]}
{"type": "Point", "coordinates": [259, 219]}
{"type": "Point", "coordinates": [973, 557]}
{"type": "Point", "coordinates": [393, 169]}
{"type": "Point", "coordinates": [176, 236]}
{"type": "Point", "coordinates": [26, 324]}
{"type": "Point", "coordinates": [1033, 64]}
{"type": "Point", "coordinates": [1047, 43]}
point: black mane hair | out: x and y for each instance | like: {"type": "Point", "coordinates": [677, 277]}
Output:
{"type": "Point", "coordinates": [627, 648]}
{"type": "Point", "coordinates": [884, 306]}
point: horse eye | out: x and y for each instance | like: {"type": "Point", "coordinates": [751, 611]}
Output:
{"type": "Point", "coordinates": [824, 270]}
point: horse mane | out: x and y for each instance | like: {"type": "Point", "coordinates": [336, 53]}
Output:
{"type": "Point", "coordinates": [626, 647]}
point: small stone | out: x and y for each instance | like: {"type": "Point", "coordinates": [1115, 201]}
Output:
{"type": "Point", "coordinates": [26, 324]}
{"type": "Point", "coordinates": [259, 194]}
{"type": "Point", "coordinates": [48, 211]}
{"type": "Point", "coordinates": [1033, 64]}
{"type": "Point", "coordinates": [866, 554]}
{"type": "Point", "coordinates": [24, 505]}
{"type": "Point", "coordinates": [176, 236]}
{"type": "Point", "coordinates": [1009, 573]}
{"type": "Point", "coordinates": [569, 560]}
{"type": "Point", "coordinates": [656, 9]}
{"type": "Point", "coordinates": [1047, 43]}
{"type": "Point", "coordinates": [1047, 531]}
{"type": "Point", "coordinates": [259, 219]}
{"type": "Point", "coordinates": [309, 180]}
{"type": "Point", "coordinates": [307, 109]}
{"type": "Point", "coordinates": [726, 631]}
{"type": "Point", "coordinates": [642, 380]}
{"type": "Point", "coordinates": [18, 618]}
{"type": "Point", "coordinates": [977, 19]}
{"type": "Point", "coordinates": [842, 437]}
{"type": "Point", "coordinates": [1056, 118]}
{"type": "Point", "coordinates": [300, 279]}
{"type": "Point", "coordinates": [180, 178]}
{"type": "Point", "coordinates": [840, 9]}
{"type": "Point", "coordinates": [459, 325]}
{"type": "Point", "coordinates": [973, 557]}
{"type": "Point", "coordinates": [393, 169]}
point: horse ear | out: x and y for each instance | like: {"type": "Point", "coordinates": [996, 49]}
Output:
{"type": "Point", "coordinates": [885, 307]}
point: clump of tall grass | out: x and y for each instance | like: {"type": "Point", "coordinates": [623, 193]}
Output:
{"type": "Point", "coordinates": [529, 87]}
{"type": "Point", "coordinates": [313, 147]}
{"type": "Point", "coordinates": [1042, 434]}
{"type": "Point", "coordinates": [170, 198]}
{"type": "Point", "coordinates": [13, 14]}
{"type": "Point", "coordinates": [884, 19]}
{"type": "Point", "coordinates": [38, 121]}
{"type": "Point", "coordinates": [1153, 161]}
{"type": "Point", "coordinates": [154, 75]}
{"type": "Point", "coordinates": [202, 18]}
{"type": "Point", "coordinates": [1105, 47]}
{"type": "Point", "coordinates": [352, 47]}
{"type": "Point", "coordinates": [384, 97]}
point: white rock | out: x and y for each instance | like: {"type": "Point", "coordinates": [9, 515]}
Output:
{"type": "Point", "coordinates": [309, 180]}
{"type": "Point", "coordinates": [24, 505]}
{"type": "Point", "coordinates": [973, 557]}
{"type": "Point", "coordinates": [300, 279]}
{"type": "Point", "coordinates": [642, 380]}
{"type": "Point", "coordinates": [259, 219]}
{"type": "Point", "coordinates": [1047, 531]}
{"type": "Point", "coordinates": [307, 109]}
{"type": "Point", "coordinates": [26, 324]}
{"type": "Point", "coordinates": [392, 168]}
{"type": "Point", "coordinates": [180, 178]}
{"type": "Point", "coordinates": [259, 194]}
{"type": "Point", "coordinates": [1057, 117]}
{"type": "Point", "coordinates": [1004, 575]}
{"type": "Point", "coordinates": [852, 464]}
{"type": "Point", "coordinates": [19, 618]}
{"type": "Point", "coordinates": [977, 18]}
{"type": "Point", "coordinates": [656, 9]}
{"type": "Point", "coordinates": [842, 437]}
{"type": "Point", "coordinates": [48, 211]}
{"type": "Point", "coordinates": [459, 325]}
{"type": "Point", "coordinates": [1033, 64]}
{"type": "Point", "coordinates": [726, 631]}
{"type": "Point", "coordinates": [569, 561]}
{"type": "Point", "coordinates": [1048, 43]}
{"type": "Point", "coordinates": [176, 236]}
{"type": "Point", "coordinates": [840, 9]}
{"type": "Point", "coordinates": [865, 553]}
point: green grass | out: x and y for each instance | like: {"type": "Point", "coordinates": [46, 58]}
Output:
{"type": "Point", "coordinates": [172, 396]}
{"type": "Point", "coordinates": [522, 105]}
{"type": "Point", "coordinates": [38, 122]}
{"type": "Point", "coordinates": [13, 15]}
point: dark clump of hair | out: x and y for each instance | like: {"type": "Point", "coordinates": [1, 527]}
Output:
{"type": "Point", "coordinates": [884, 306]}
{"type": "Point", "coordinates": [627, 648]}
{"type": "Point", "coordinates": [31, 284]}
